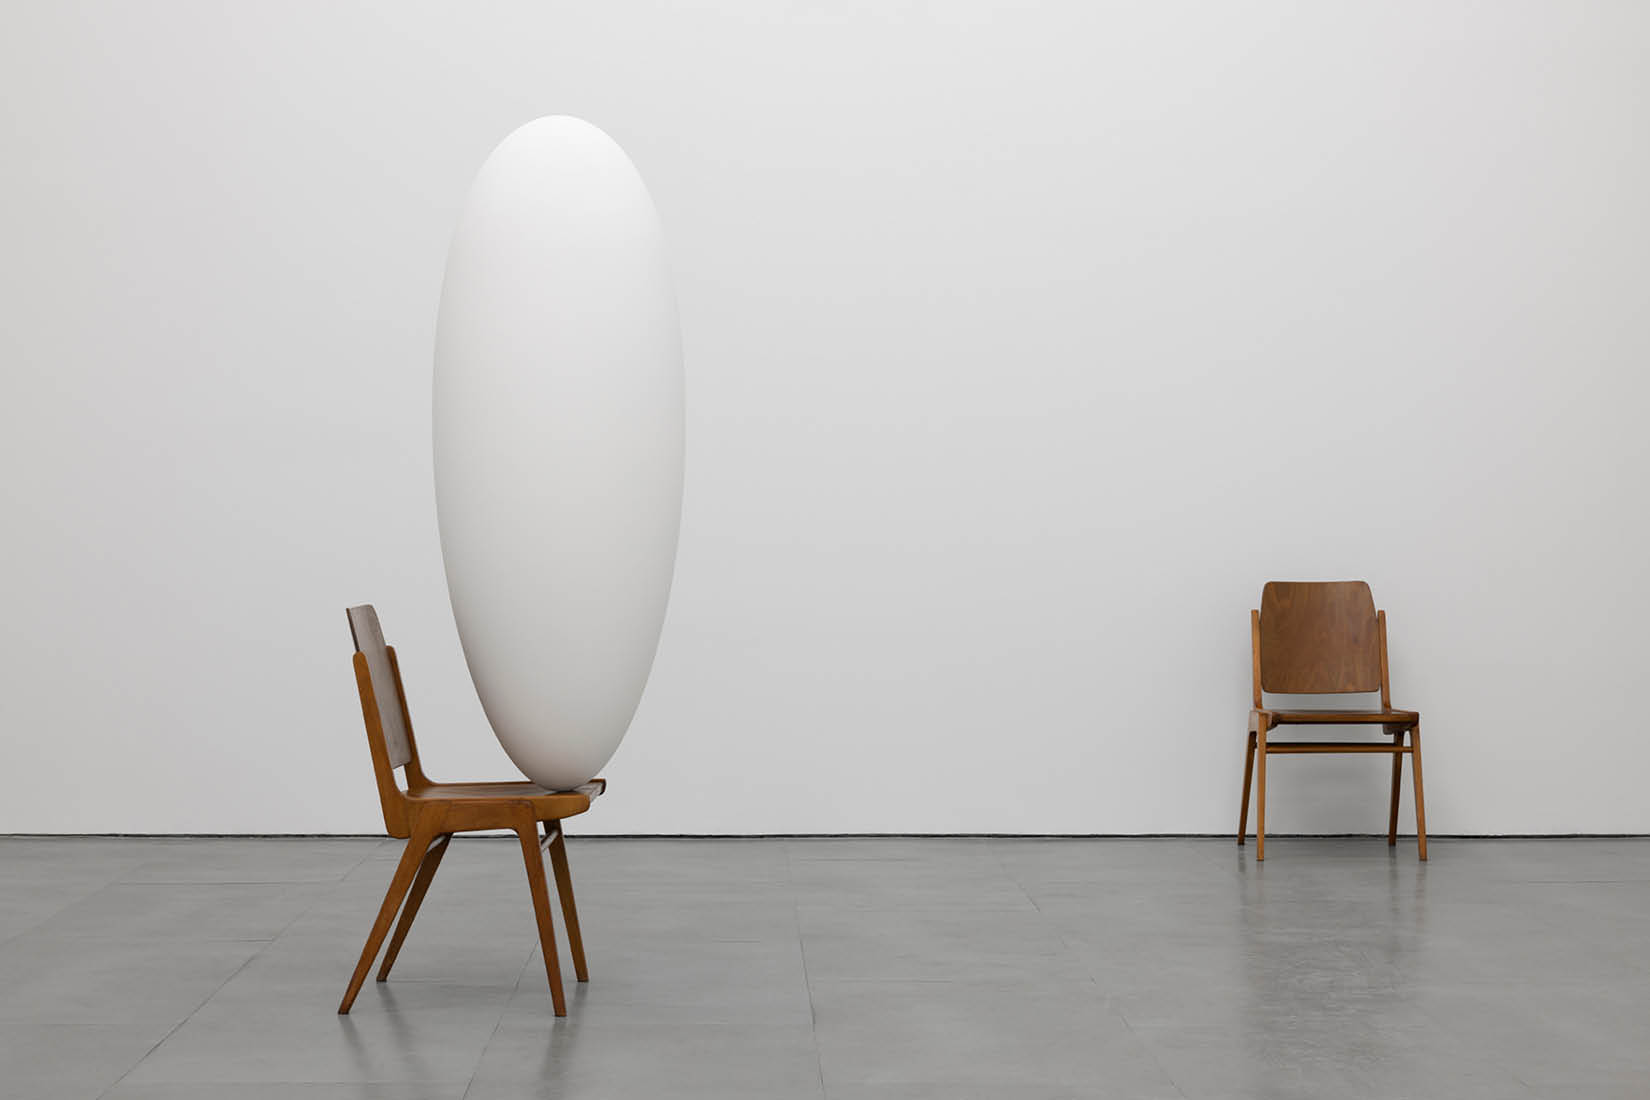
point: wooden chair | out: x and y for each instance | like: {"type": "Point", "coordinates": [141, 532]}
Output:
{"type": "Point", "coordinates": [428, 814]}
{"type": "Point", "coordinates": [1319, 639]}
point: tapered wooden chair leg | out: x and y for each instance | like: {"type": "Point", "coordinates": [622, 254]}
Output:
{"type": "Point", "coordinates": [1260, 796]}
{"type": "Point", "coordinates": [1248, 780]}
{"type": "Point", "coordinates": [541, 909]}
{"type": "Point", "coordinates": [564, 887]}
{"type": "Point", "coordinates": [1420, 799]}
{"type": "Point", "coordinates": [411, 859]}
{"type": "Point", "coordinates": [1397, 785]}
{"type": "Point", "coordinates": [415, 898]}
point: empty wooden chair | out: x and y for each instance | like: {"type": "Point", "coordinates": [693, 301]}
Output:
{"type": "Point", "coordinates": [428, 814]}
{"type": "Point", "coordinates": [1319, 639]}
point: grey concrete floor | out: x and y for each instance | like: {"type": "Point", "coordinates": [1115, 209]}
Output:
{"type": "Point", "coordinates": [878, 969]}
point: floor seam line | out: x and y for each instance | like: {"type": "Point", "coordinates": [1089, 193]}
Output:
{"type": "Point", "coordinates": [807, 980]}
{"type": "Point", "coordinates": [498, 1023]}
{"type": "Point", "coordinates": [190, 1015]}
{"type": "Point", "coordinates": [1100, 990]}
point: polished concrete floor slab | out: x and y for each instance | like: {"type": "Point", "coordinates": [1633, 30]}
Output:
{"type": "Point", "coordinates": [875, 969]}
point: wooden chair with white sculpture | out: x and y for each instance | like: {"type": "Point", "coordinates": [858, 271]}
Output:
{"type": "Point", "coordinates": [1317, 638]}
{"type": "Point", "coordinates": [427, 814]}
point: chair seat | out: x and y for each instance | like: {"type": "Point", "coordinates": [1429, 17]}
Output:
{"type": "Point", "coordinates": [547, 805]}
{"type": "Point", "coordinates": [1340, 717]}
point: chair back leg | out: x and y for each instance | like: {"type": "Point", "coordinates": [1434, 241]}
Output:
{"type": "Point", "coordinates": [415, 898]}
{"type": "Point", "coordinates": [411, 859]}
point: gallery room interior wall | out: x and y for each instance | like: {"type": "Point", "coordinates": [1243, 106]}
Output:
{"type": "Point", "coordinates": [1024, 343]}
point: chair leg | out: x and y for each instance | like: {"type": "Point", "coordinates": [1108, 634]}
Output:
{"type": "Point", "coordinates": [421, 884]}
{"type": "Point", "coordinates": [529, 834]}
{"type": "Point", "coordinates": [1260, 796]}
{"type": "Point", "coordinates": [1397, 784]}
{"type": "Point", "coordinates": [411, 859]}
{"type": "Point", "coordinates": [564, 887]}
{"type": "Point", "coordinates": [1420, 799]}
{"type": "Point", "coordinates": [1248, 780]}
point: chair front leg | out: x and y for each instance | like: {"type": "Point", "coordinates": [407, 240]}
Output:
{"type": "Point", "coordinates": [1420, 798]}
{"type": "Point", "coordinates": [1248, 781]}
{"type": "Point", "coordinates": [557, 843]}
{"type": "Point", "coordinates": [1397, 784]}
{"type": "Point", "coordinates": [529, 833]}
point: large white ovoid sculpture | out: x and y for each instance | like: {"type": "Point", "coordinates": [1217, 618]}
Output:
{"type": "Point", "coordinates": [558, 443]}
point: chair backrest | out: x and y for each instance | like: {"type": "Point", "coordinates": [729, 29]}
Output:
{"type": "Point", "coordinates": [384, 710]}
{"type": "Point", "coordinates": [1319, 638]}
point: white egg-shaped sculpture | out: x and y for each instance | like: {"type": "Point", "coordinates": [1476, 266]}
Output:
{"type": "Point", "coordinates": [558, 443]}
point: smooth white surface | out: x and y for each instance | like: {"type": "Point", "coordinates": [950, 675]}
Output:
{"type": "Point", "coordinates": [991, 310]}
{"type": "Point", "coordinates": [558, 443]}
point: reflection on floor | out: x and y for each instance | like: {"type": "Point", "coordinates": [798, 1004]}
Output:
{"type": "Point", "coordinates": [892, 969]}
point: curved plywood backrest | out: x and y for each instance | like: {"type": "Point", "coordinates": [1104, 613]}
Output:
{"type": "Point", "coordinates": [369, 642]}
{"type": "Point", "coordinates": [1319, 638]}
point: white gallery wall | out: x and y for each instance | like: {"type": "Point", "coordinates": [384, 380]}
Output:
{"type": "Point", "coordinates": [1024, 343]}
